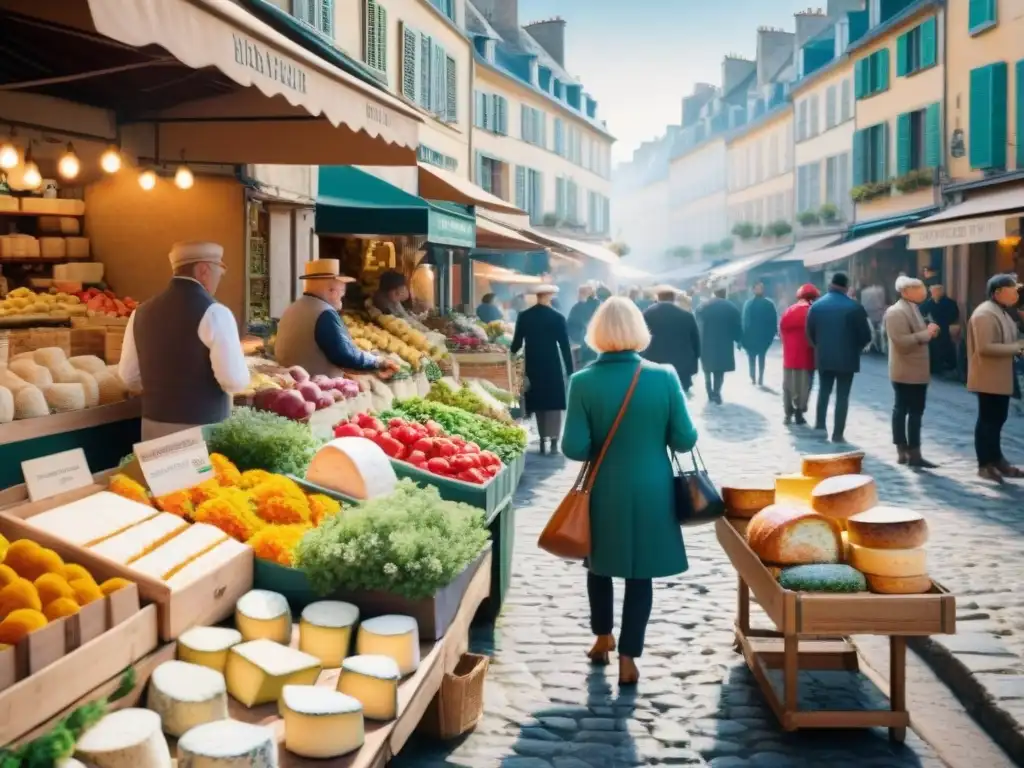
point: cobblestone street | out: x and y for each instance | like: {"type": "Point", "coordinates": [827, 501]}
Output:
{"type": "Point", "coordinates": [697, 704]}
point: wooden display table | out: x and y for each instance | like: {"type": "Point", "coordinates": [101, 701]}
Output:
{"type": "Point", "coordinates": [813, 632]}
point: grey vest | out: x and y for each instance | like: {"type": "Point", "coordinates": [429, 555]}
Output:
{"type": "Point", "coordinates": [296, 342]}
{"type": "Point", "coordinates": [177, 379]}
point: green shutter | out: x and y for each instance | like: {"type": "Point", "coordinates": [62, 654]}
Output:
{"type": "Point", "coordinates": [327, 18]}
{"type": "Point", "coordinates": [881, 82]}
{"type": "Point", "coordinates": [928, 44]}
{"type": "Point", "coordinates": [521, 187]}
{"type": "Point", "coordinates": [933, 154]}
{"type": "Point", "coordinates": [981, 15]}
{"type": "Point", "coordinates": [904, 141]}
{"type": "Point", "coordinates": [859, 147]}
{"type": "Point", "coordinates": [375, 44]}
{"type": "Point", "coordinates": [451, 91]}
{"type": "Point", "coordinates": [903, 65]}
{"type": "Point", "coordinates": [410, 51]}
{"type": "Point", "coordinates": [1020, 115]}
{"type": "Point", "coordinates": [425, 68]}
{"type": "Point", "coordinates": [478, 169]}
{"type": "Point", "coordinates": [881, 140]}
{"type": "Point", "coordinates": [859, 79]}
{"type": "Point", "coordinates": [988, 116]}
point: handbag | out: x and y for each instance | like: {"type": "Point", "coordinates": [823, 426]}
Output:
{"type": "Point", "coordinates": [697, 499]}
{"type": "Point", "coordinates": [567, 534]}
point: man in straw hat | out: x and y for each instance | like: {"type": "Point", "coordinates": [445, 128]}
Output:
{"type": "Point", "coordinates": [675, 338]}
{"type": "Point", "coordinates": [181, 348]}
{"type": "Point", "coordinates": [311, 333]}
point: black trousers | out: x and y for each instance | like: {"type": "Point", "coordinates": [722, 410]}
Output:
{"type": "Point", "coordinates": [992, 413]}
{"type": "Point", "coordinates": [636, 611]}
{"type": "Point", "coordinates": [687, 382]}
{"type": "Point", "coordinates": [756, 360]}
{"type": "Point", "coordinates": [713, 382]}
{"type": "Point", "coordinates": [907, 410]}
{"type": "Point", "coordinates": [842, 383]}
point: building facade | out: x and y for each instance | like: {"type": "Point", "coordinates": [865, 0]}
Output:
{"type": "Point", "coordinates": [697, 198]}
{"type": "Point", "coordinates": [640, 213]}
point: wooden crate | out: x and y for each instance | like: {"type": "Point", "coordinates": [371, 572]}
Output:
{"type": "Point", "coordinates": [112, 343]}
{"type": "Point", "coordinates": [21, 340]}
{"type": "Point", "coordinates": [88, 341]}
{"type": "Point", "coordinates": [493, 367]}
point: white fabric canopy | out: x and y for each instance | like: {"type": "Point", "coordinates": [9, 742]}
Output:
{"type": "Point", "coordinates": [849, 248]}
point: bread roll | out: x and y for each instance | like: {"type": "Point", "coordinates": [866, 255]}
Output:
{"type": "Point", "coordinates": [844, 496]}
{"type": "Point", "coordinates": [888, 528]}
{"type": "Point", "coordinates": [746, 501]}
{"type": "Point", "coordinates": [794, 536]}
{"type": "Point", "coordinates": [832, 464]}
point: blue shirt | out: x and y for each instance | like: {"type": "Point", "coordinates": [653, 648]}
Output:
{"type": "Point", "coordinates": [336, 343]}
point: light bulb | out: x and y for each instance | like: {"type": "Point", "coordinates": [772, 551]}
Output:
{"type": "Point", "coordinates": [147, 180]}
{"type": "Point", "coordinates": [31, 177]}
{"type": "Point", "coordinates": [8, 155]}
{"type": "Point", "coordinates": [111, 160]}
{"type": "Point", "coordinates": [183, 178]}
{"type": "Point", "coordinates": [69, 165]}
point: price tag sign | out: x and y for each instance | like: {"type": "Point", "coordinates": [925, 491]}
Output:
{"type": "Point", "coordinates": [49, 476]}
{"type": "Point", "coordinates": [174, 462]}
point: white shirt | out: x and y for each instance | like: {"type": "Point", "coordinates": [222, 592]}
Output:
{"type": "Point", "coordinates": [218, 332]}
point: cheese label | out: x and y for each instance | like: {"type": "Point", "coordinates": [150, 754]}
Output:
{"type": "Point", "coordinates": [174, 462]}
{"type": "Point", "coordinates": [57, 473]}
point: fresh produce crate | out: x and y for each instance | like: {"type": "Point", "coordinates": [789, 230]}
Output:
{"type": "Point", "coordinates": [88, 341]}
{"type": "Point", "coordinates": [492, 366]}
{"type": "Point", "coordinates": [489, 497]}
{"type": "Point", "coordinates": [30, 339]}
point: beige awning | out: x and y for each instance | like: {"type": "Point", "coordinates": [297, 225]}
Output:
{"type": "Point", "coordinates": [982, 219]}
{"type": "Point", "coordinates": [490, 234]}
{"type": "Point", "coordinates": [849, 248]}
{"type": "Point", "coordinates": [806, 247]}
{"type": "Point", "coordinates": [566, 245]}
{"type": "Point", "coordinates": [439, 184]}
{"type": "Point", "coordinates": [502, 275]}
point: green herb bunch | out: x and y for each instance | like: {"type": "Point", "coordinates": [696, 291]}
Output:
{"type": "Point", "coordinates": [263, 440]}
{"type": "Point", "coordinates": [506, 440]}
{"type": "Point", "coordinates": [499, 394]}
{"type": "Point", "coordinates": [464, 398]}
{"type": "Point", "coordinates": [409, 543]}
{"type": "Point", "coordinates": [432, 370]}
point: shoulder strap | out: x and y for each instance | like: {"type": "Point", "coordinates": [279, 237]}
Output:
{"type": "Point", "coordinates": [592, 474]}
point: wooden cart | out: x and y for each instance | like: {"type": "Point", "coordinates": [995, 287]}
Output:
{"type": "Point", "coordinates": [813, 632]}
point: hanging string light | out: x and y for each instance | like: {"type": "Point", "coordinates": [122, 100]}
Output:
{"type": "Point", "coordinates": [184, 178]}
{"type": "Point", "coordinates": [147, 179]}
{"type": "Point", "coordinates": [30, 176]}
{"type": "Point", "coordinates": [8, 153]}
{"type": "Point", "coordinates": [69, 164]}
{"type": "Point", "coordinates": [110, 161]}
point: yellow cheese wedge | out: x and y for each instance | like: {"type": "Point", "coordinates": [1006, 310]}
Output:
{"type": "Point", "coordinates": [186, 695]}
{"type": "Point", "coordinates": [208, 646]}
{"type": "Point", "coordinates": [90, 520]}
{"type": "Point", "coordinates": [264, 615]}
{"type": "Point", "coordinates": [393, 636]}
{"type": "Point", "coordinates": [136, 541]}
{"type": "Point", "coordinates": [320, 723]}
{"type": "Point", "coordinates": [794, 488]}
{"type": "Point", "coordinates": [353, 466]}
{"type": "Point", "coordinates": [163, 561]}
{"type": "Point", "coordinates": [373, 681]}
{"type": "Point", "coordinates": [325, 630]}
{"type": "Point", "coordinates": [899, 585]}
{"type": "Point", "coordinates": [257, 671]}
{"type": "Point", "coordinates": [228, 551]}
{"type": "Point", "coordinates": [228, 744]}
{"type": "Point", "coordinates": [893, 563]}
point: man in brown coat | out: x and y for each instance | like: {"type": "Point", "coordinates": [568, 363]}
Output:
{"type": "Point", "coordinates": [991, 346]}
{"type": "Point", "coordinates": [909, 371]}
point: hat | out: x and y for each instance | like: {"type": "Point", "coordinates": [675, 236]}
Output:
{"type": "Point", "coordinates": [664, 288]}
{"type": "Point", "coordinates": [545, 289]}
{"type": "Point", "coordinates": [195, 253]}
{"type": "Point", "coordinates": [840, 280]}
{"type": "Point", "coordinates": [997, 282]}
{"type": "Point", "coordinates": [324, 269]}
{"type": "Point", "coordinates": [807, 291]}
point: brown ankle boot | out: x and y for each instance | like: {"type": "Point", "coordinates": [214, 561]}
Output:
{"type": "Point", "coordinates": [901, 454]}
{"type": "Point", "coordinates": [915, 459]}
{"type": "Point", "coordinates": [628, 673]}
{"type": "Point", "coordinates": [603, 646]}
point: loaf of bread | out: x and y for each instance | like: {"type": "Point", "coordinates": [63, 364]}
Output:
{"type": "Point", "coordinates": [899, 585]}
{"type": "Point", "coordinates": [844, 496]}
{"type": "Point", "coordinates": [888, 528]}
{"type": "Point", "coordinates": [832, 464]}
{"type": "Point", "coordinates": [746, 501]}
{"type": "Point", "coordinates": [794, 536]}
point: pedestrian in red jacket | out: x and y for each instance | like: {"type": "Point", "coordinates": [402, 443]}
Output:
{"type": "Point", "coordinates": [797, 355]}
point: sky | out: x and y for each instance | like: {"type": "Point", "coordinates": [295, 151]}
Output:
{"type": "Point", "coordinates": [638, 58]}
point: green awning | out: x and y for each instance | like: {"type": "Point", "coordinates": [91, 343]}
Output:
{"type": "Point", "coordinates": [872, 226]}
{"type": "Point", "coordinates": [354, 202]}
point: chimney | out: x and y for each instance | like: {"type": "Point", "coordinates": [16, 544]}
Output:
{"type": "Point", "coordinates": [503, 15]}
{"type": "Point", "coordinates": [735, 70]}
{"type": "Point", "coordinates": [837, 9]}
{"type": "Point", "coordinates": [774, 47]}
{"type": "Point", "coordinates": [550, 33]}
{"type": "Point", "coordinates": [809, 24]}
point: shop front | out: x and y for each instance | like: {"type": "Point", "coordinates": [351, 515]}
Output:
{"type": "Point", "coordinates": [785, 273]}
{"type": "Point", "coordinates": [735, 277]}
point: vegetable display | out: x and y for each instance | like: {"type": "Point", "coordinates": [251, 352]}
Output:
{"type": "Point", "coordinates": [259, 440]}
{"type": "Point", "coordinates": [468, 399]}
{"type": "Point", "coordinates": [409, 543]}
{"type": "Point", "coordinates": [498, 393]}
{"type": "Point", "coordinates": [21, 302]}
{"type": "Point", "coordinates": [506, 440]}
{"type": "Point", "coordinates": [106, 303]}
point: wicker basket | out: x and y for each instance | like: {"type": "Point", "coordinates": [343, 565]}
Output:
{"type": "Point", "coordinates": [459, 704]}
{"type": "Point", "coordinates": [30, 339]}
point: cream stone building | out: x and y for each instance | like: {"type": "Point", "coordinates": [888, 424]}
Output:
{"type": "Point", "coordinates": [760, 172]}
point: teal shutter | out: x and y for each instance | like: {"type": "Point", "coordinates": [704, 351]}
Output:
{"type": "Point", "coordinates": [988, 116]}
{"type": "Point", "coordinates": [859, 79]}
{"type": "Point", "coordinates": [881, 82]}
{"type": "Point", "coordinates": [903, 65]}
{"type": "Point", "coordinates": [478, 169]}
{"type": "Point", "coordinates": [859, 157]}
{"type": "Point", "coordinates": [929, 44]}
{"type": "Point", "coordinates": [933, 135]}
{"type": "Point", "coordinates": [327, 18]}
{"type": "Point", "coordinates": [410, 49]}
{"type": "Point", "coordinates": [451, 92]}
{"type": "Point", "coordinates": [521, 187]}
{"type": "Point", "coordinates": [981, 15]}
{"type": "Point", "coordinates": [881, 139]}
{"type": "Point", "coordinates": [904, 148]}
{"type": "Point", "coordinates": [1020, 115]}
{"type": "Point", "coordinates": [425, 72]}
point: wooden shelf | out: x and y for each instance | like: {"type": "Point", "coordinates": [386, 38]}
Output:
{"type": "Point", "coordinates": [45, 260]}
{"type": "Point", "coordinates": [28, 214]}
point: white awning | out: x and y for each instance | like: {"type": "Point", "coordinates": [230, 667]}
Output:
{"type": "Point", "coordinates": [590, 250]}
{"type": "Point", "coordinates": [740, 266]}
{"type": "Point", "coordinates": [1009, 200]}
{"type": "Point", "coordinates": [439, 184]}
{"type": "Point", "coordinates": [502, 275]}
{"type": "Point", "coordinates": [845, 250]}
{"type": "Point", "coordinates": [629, 273]}
{"type": "Point", "coordinates": [808, 246]}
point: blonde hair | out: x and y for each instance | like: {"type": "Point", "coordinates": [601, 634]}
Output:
{"type": "Point", "coordinates": [618, 326]}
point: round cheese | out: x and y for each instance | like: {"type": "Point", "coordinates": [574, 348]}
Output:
{"type": "Point", "coordinates": [320, 723]}
{"type": "Point", "coordinates": [264, 615]}
{"type": "Point", "coordinates": [843, 496]}
{"type": "Point", "coordinates": [888, 528]}
{"type": "Point", "coordinates": [353, 466]}
{"type": "Point", "coordinates": [129, 738]}
{"type": "Point", "coordinates": [794, 488]}
{"type": "Point", "coordinates": [228, 744]}
{"type": "Point", "coordinates": [186, 695]}
{"type": "Point", "coordinates": [394, 636]}
{"type": "Point", "coordinates": [832, 464]}
{"type": "Point", "coordinates": [373, 681]}
{"type": "Point", "coordinates": [899, 585]}
{"type": "Point", "coordinates": [325, 630]}
{"type": "Point", "coordinates": [746, 501]}
{"type": "Point", "coordinates": [207, 646]}
{"type": "Point", "coordinates": [894, 563]}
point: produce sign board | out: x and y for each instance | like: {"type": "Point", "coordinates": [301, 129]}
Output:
{"type": "Point", "coordinates": [174, 462]}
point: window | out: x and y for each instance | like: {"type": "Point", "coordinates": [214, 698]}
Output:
{"type": "Point", "coordinates": [837, 183]}
{"type": "Point", "coordinates": [530, 192]}
{"type": "Point", "coordinates": [375, 40]}
{"type": "Point", "coordinates": [429, 76]}
{"type": "Point", "coordinates": [846, 108]}
{"type": "Point", "coordinates": [560, 199]}
{"type": "Point", "coordinates": [533, 129]}
{"type": "Point", "coordinates": [871, 74]}
{"type": "Point", "coordinates": [447, 7]}
{"type": "Point", "coordinates": [988, 116]}
{"type": "Point", "coordinates": [773, 156]}
{"type": "Point", "coordinates": [559, 137]}
{"type": "Point", "coordinates": [597, 213]}
{"type": "Point", "coordinates": [919, 140]}
{"type": "Point", "coordinates": [917, 49]}
{"type": "Point", "coordinates": [572, 202]}
{"type": "Point", "coordinates": [815, 110]}
{"type": "Point", "coordinates": [801, 120]}
{"type": "Point", "coordinates": [871, 155]}
{"type": "Point", "coordinates": [432, 157]}
{"type": "Point", "coordinates": [490, 112]}
{"type": "Point", "coordinates": [831, 107]}
{"type": "Point", "coordinates": [490, 175]}
{"type": "Point", "coordinates": [808, 188]}
{"type": "Point", "coordinates": [982, 15]}
{"type": "Point", "coordinates": [318, 14]}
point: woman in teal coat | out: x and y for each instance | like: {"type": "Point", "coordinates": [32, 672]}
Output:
{"type": "Point", "coordinates": [634, 533]}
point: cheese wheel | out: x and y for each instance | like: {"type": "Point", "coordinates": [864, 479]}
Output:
{"type": "Point", "coordinates": [228, 744]}
{"type": "Point", "coordinates": [89, 521]}
{"type": "Point", "coordinates": [129, 738]}
{"type": "Point", "coordinates": [353, 466]}
{"type": "Point", "coordinates": [393, 636]}
{"type": "Point", "coordinates": [899, 585]}
{"type": "Point", "coordinates": [208, 646]}
{"type": "Point", "coordinates": [790, 489]}
{"type": "Point", "coordinates": [325, 630]}
{"type": "Point", "coordinates": [138, 540]}
{"type": "Point", "coordinates": [794, 536]}
{"type": "Point", "coordinates": [64, 398]}
{"type": "Point", "coordinates": [186, 695]}
{"type": "Point", "coordinates": [894, 563]}
{"type": "Point", "coordinates": [832, 464]}
{"type": "Point", "coordinates": [320, 723]}
{"type": "Point", "coordinates": [373, 681]}
{"type": "Point", "coordinates": [257, 671]}
{"type": "Point", "coordinates": [746, 501]}
{"type": "Point", "coordinates": [202, 567]}
{"type": "Point", "coordinates": [888, 528]}
{"type": "Point", "coordinates": [170, 557]}
{"type": "Point", "coordinates": [844, 496]}
{"type": "Point", "coordinates": [88, 363]}
{"type": "Point", "coordinates": [261, 614]}
{"type": "Point", "coordinates": [30, 403]}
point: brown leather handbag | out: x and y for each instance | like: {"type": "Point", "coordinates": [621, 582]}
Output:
{"type": "Point", "coordinates": [567, 534]}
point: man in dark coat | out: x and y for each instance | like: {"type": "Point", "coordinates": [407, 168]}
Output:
{"type": "Point", "coordinates": [675, 339]}
{"type": "Point", "coordinates": [579, 319]}
{"type": "Point", "coordinates": [760, 321]}
{"type": "Point", "coordinates": [838, 329]}
{"type": "Point", "coordinates": [938, 308]}
{"type": "Point", "coordinates": [721, 330]}
{"type": "Point", "coordinates": [548, 363]}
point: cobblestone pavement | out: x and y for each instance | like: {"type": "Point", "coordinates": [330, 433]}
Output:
{"type": "Point", "coordinates": [697, 704]}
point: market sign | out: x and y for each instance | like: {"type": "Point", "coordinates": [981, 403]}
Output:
{"type": "Point", "coordinates": [174, 462]}
{"type": "Point", "coordinates": [447, 229]}
{"type": "Point", "coordinates": [55, 474]}
{"type": "Point", "coordinates": [264, 61]}
{"type": "Point", "coordinates": [963, 232]}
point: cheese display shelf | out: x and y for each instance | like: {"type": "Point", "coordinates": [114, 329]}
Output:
{"type": "Point", "coordinates": [813, 632]}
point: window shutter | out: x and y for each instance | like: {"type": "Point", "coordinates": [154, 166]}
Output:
{"type": "Point", "coordinates": [327, 18]}
{"type": "Point", "coordinates": [425, 72]}
{"type": "Point", "coordinates": [560, 198]}
{"type": "Point", "coordinates": [933, 135]}
{"type": "Point", "coordinates": [410, 48]}
{"type": "Point", "coordinates": [903, 144]}
{"type": "Point", "coordinates": [439, 84]}
{"type": "Point", "coordinates": [815, 109]}
{"type": "Point", "coordinates": [882, 152]}
{"type": "Point", "coordinates": [981, 15]}
{"type": "Point", "coordinates": [988, 116]}
{"type": "Point", "coordinates": [501, 115]}
{"type": "Point", "coordinates": [451, 91]}
{"type": "Point", "coordinates": [305, 11]}
{"type": "Point", "coordinates": [860, 76]}
{"type": "Point", "coordinates": [882, 70]}
{"type": "Point", "coordinates": [830, 107]}
{"type": "Point", "coordinates": [524, 119]}
{"type": "Point", "coordinates": [520, 187]}
{"type": "Point", "coordinates": [1020, 115]}
{"type": "Point", "coordinates": [859, 157]}
{"type": "Point", "coordinates": [902, 51]}
{"type": "Point", "coordinates": [929, 53]}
